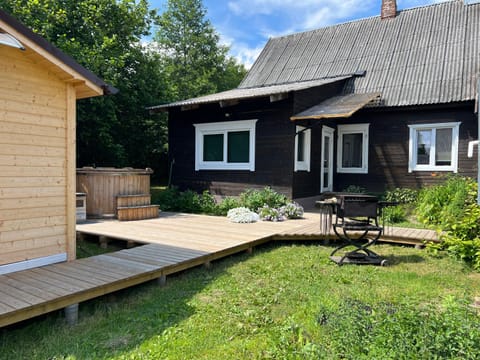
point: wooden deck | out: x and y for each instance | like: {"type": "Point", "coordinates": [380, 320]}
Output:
{"type": "Point", "coordinates": [174, 242]}
{"type": "Point", "coordinates": [33, 292]}
{"type": "Point", "coordinates": [394, 235]}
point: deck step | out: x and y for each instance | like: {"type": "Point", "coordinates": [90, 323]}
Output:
{"type": "Point", "coordinates": [133, 200]}
{"type": "Point", "coordinates": [141, 212]}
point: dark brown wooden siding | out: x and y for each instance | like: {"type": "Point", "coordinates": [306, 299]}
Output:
{"type": "Point", "coordinates": [273, 153]}
{"type": "Point", "coordinates": [388, 147]}
{"type": "Point", "coordinates": [275, 139]}
{"type": "Point", "coordinates": [310, 97]}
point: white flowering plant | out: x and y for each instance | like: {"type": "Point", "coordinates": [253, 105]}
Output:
{"type": "Point", "coordinates": [268, 213]}
{"type": "Point", "coordinates": [292, 210]}
{"type": "Point", "coordinates": [242, 215]}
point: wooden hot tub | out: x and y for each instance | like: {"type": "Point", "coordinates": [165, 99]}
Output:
{"type": "Point", "coordinates": [102, 186]}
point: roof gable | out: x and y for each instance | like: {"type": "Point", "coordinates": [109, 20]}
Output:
{"type": "Point", "coordinates": [424, 55]}
{"type": "Point", "coordinates": [37, 48]}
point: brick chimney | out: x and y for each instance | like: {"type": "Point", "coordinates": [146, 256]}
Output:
{"type": "Point", "coordinates": [389, 9]}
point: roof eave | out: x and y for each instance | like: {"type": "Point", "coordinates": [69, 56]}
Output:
{"type": "Point", "coordinates": [274, 92]}
{"type": "Point", "coordinates": [86, 82]}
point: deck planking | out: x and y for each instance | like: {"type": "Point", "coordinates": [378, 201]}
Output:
{"type": "Point", "coordinates": [171, 243]}
{"type": "Point", "coordinates": [33, 292]}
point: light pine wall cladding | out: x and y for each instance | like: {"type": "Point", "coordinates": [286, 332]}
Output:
{"type": "Point", "coordinates": [35, 140]}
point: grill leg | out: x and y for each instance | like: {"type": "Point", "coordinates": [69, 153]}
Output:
{"type": "Point", "coordinates": [361, 254]}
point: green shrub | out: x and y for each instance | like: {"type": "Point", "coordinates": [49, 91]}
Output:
{"type": "Point", "coordinates": [466, 250]}
{"type": "Point", "coordinates": [462, 239]}
{"type": "Point", "coordinates": [394, 214]}
{"type": "Point", "coordinates": [401, 195]}
{"type": "Point", "coordinates": [189, 201]}
{"type": "Point", "coordinates": [227, 204]}
{"type": "Point", "coordinates": [208, 205]}
{"type": "Point", "coordinates": [255, 199]}
{"type": "Point", "coordinates": [355, 189]}
{"type": "Point", "coordinates": [171, 199]}
{"type": "Point", "coordinates": [406, 199]}
{"type": "Point", "coordinates": [167, 199]}
{"type": "Point", "coordinates": [445, 203]}
{"type": "Point", "coordinates": [359, 330]}
{"type": "Point", "coordinates": [453, 207]}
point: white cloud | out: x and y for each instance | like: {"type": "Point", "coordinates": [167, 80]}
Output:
{"type": "Point", "coordinates": [273, 18]}
{"type": "Point", "coordinates": [304, 7]}
{"type": "Point", "coordinates": [332, 12]}
{"type": "Point", "coordinates": [252, 22]}
{"type": "Point", "coordinates": [287, 16]}
{"type": "Point", "coordinates": [241, 51]}
{"type": "Point", "coordinates": [407, 4]}
{"type": "Point", "coordinates": [245, 54]}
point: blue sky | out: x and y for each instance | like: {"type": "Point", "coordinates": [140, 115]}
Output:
{"type": "Point", "coordinates": [246, 25]}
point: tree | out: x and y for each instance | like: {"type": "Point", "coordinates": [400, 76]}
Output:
{"type": "Point", "coordinates": [195, 63]}
{"type": "Point", "coordinates": [105, 36]}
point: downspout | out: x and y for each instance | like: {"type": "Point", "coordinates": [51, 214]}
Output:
{"type": "Point", "coordinates": [170, 174]}
{"type": "Point", "coordinates": [478, 139]}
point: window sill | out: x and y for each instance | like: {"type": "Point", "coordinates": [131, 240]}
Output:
{"type": "Point", "coordinates": [226, 167]}
{"type": "Point", "coordinates": [301, 166]}
{"type": "Point", "coordinates": [352, 171]}
{"type": "Point", "coordinates": [433, 169]}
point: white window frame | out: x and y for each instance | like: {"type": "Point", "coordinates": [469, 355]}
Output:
{"type": "Point", "coordinates": [353, 129]}
{"type": "Point", "coordinates": [305, 164]}
{"type": "Point", "coordinates": [412, 146]}
{"type": "Point", "coordinates": [224, 128]}
{"type": "Point", "coordinates": [327, 132]}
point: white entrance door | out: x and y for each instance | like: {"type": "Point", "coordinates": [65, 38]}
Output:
{"type": "Point", "coordinates": [326, 167]}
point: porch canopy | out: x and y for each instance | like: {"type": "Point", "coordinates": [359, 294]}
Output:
{"type": "Point", "coordinates": [342, 106]}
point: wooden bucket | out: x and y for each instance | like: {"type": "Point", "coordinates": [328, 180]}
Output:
{"type": "Point", "coordinates": [103, 185]}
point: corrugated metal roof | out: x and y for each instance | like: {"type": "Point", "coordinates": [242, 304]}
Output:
{"type": "Point", "coordinates": [245, 93]}
{"type": "Point", "coordinates": [424, 55]}
{"type": "Point", "coordinates": [337, 107]}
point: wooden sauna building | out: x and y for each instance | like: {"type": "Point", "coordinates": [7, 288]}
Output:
{"type": "Point", "coordinates": [39, 86]}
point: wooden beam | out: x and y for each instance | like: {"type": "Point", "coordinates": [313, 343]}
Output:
{"type": "Point", "coordinates": [189, 107]}
{"type": "Point", "coordinates": [227, 103]}
{"type": "Point", "coordinates": [162, 280]}
{"type": "Point", "coordinates": [71, 314]}
{"type": "Point", "coordinates": [278, 97]}
{"type": "Point", "coordinates": [103, 241]}
{"type": "Point", "coordinates": [70, 170]}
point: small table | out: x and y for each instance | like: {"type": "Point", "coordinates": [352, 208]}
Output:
{"type": "Point", "coordinates": [326, 208]}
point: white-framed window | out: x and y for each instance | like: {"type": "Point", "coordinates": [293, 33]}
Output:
{"type": "Point", "coordinates": [226, 145]}
{"type": "Point", "coordinates": [303, 139]}
{"type": "Point", "coordinates": [352, 152]}
{"type": "Point", "coordinates": [433, 147]}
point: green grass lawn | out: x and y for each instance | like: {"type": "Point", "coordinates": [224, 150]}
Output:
{"type": "Point", "coordinates": [287, 301]}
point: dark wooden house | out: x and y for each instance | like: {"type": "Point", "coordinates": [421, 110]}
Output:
{"type": "Point", "coordinates": [387, 101]}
